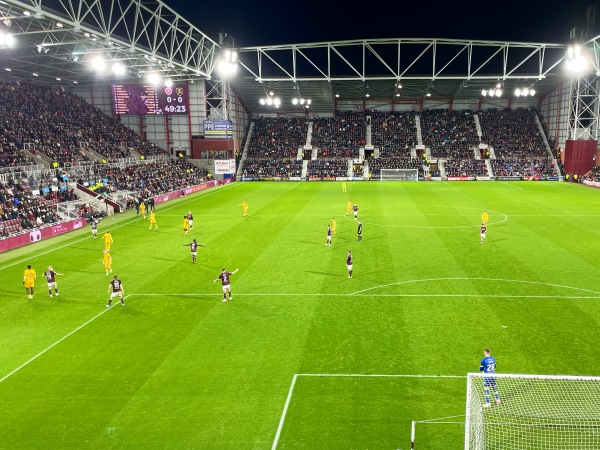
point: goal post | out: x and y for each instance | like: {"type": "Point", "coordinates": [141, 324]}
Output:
{"type": "Point", "coordinates": [534, 412]}
{"type": "Point", "coordinates": [399, 175]}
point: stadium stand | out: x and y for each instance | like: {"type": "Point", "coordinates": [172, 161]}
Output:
{"type": "Point", "coordinates": [340, 136]}
{"type": "Point", "coordinates": [449, 134]}
{"type": "Point", "coordinates": [394, 133]}
{"type": "Point", "coordinates": [62, 126]}
{"type": "Point", "coordinates": [512, 133]}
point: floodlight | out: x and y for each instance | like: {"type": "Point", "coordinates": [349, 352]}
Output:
{"type": "Point", "coordinates": [153, 78]}
{"type": "Point", "coordinates": [7, 39]}
{"type": "Point", "coordinates": [118, 69]}
{"type": "Point", "coordinates": [98, 63]}
{"type": "Point", "coordinates": [294, 101]}
{"type": "Point", "coordinates": [484, 92]}
{"type": "Point", "coordinates": [518, 92]}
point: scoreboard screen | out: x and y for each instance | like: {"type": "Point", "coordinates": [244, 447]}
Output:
{"type": "Point", "coordinates": [148, 99]}
{"type": "Point", "coordinates": [174, 99]}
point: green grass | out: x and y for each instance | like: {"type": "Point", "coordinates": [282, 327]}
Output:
{"type": "Point", "coordinates": [177, 368]}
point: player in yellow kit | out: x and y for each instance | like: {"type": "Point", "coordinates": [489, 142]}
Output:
{"type": "Point", "coordinates": [29, 277]}
{"type": "Point", "coordinates": [244, 206]}
{"type": "Point", "coordinates": [484, 217]}
{"type": "Point", "coordinates": [143, 209]}
{"type": "Point", "coordinates": [186, 225]}
{"type": "Point", "coordinates": [107, 261]}
{"type": "Point", "coordinates": [333, 225]}
{"type": "Point", "coordinates": [348, 207]}
{"type": "Point", "coordinates": [152, 220]}
{"type": "Point", "coordinates": [108, 240]}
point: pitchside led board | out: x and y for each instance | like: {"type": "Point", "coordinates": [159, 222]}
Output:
{"type": "Point", "coordinates": [148, 99]}
{"type": "Point", "coordinates": [218, 129]}
{"type": "Point", "coordinates": [223, 166]}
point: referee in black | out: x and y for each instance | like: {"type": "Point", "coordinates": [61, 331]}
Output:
{"type": "Point", "coordinates": [359, 231]}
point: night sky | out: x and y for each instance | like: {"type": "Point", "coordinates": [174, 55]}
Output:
{"type": "Point", "coordinates": [264, 22]}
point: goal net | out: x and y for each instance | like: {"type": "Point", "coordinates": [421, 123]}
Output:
{"type": "Point", "coordinates": [533, 412]}
{"type": "Point", "coordinates": [399, 175]}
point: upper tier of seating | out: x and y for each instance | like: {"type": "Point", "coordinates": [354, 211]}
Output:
{"type": "Point", "coordinates": [59, 125]}
{"type": "Point", "coordinates": [449, 134]}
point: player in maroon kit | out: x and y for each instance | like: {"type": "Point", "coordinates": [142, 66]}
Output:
{"type": "Point", "coordinates": [355, 209]}
{"type": "Point", "coordinates": [483, 232]}
{"type": "Point", "coordinates": [115, 287]}
{"type": "Point", "coordinates": [225, 282]}
{"type": "Point", "coordinates": [349, 263]}
{"type": "Point", "coordinates": [328, 241]}
{"type": "Point", "coordinates": [190, 220]}
{"type": "Point", "coordinates": [194, 249]}
{"type": "Point", "coordinates": [51, 277]}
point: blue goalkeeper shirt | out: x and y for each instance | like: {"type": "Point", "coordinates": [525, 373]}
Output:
{"type": "Point", "coordinates": [488, 365]}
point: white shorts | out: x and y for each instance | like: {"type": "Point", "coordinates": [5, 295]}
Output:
{"type": "Point", "coordinates": [355, 215]}
{"type": "Point", "coordinates": [191, 223]}
{"type": "Point", "coordinates": [194, 253]}
{"type": "Point", "coordinates": [349, 266]}
{"type": "Point", "coordinates": [114, 294]}
{"type": "Point", "coordinates": [328, 237]}
{"type": "Point", "coordinates": [226, 287]}
{"type": "Point", "coordinates": [482, 235]}
{"type": "Point", "coordinates": [53, 284]}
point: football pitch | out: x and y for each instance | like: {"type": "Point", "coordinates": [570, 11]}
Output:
{"type": "Point", "coordinates": [303, 357]}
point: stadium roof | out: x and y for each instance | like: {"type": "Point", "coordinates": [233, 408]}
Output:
{"type": "Point", "coordinates": [58, 41]}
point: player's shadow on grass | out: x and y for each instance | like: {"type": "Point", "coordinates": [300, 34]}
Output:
{"type": "Point", "coordinates": [169, 259]}
{"type": "Point", "coordinates": [68, 269]}
{"type": "Point", "coordinates": [328, 274]}
{"type": "Point", "coordinates": [86, 249]}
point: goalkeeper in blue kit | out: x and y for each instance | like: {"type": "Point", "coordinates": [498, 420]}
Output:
{"type": "Point", "coordinates": [488, 366]}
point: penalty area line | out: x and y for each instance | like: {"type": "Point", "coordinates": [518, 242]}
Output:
{"type": "Point", "coordinates": [56, 343]}
{"type": "Point", "coordinates": [341, 375]}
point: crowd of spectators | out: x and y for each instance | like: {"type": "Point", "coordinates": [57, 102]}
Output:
{"type": "Point", "coordinates": [523, 168]}
{"type": "Point", "coordinates": [593, 175]}
{"type": "Point", "coordinates": [513, 133]}
{"type": "Point", "coordinates": [21, 210]}
{"type": "Point", "coordinates": [465, 168]}
{"type": "Point", "coordinates": [275, 137]}
{"type": "Point", "coordinates": [153, 178]}
{"type": "Point", "coordinates": [59, 125]}
{"type": "Point", "coordinates": [339, 136]}
{"type": "Point", "coordinates": [265, 168]}
{"type": "Point", "coordinates": [394, 162]}
{"type": "Point", "coordinates": [449, 134]}
{"type": "Point", "coordinates": [326, 169]}
{"type": "Point", "coordinates": [395, 133]}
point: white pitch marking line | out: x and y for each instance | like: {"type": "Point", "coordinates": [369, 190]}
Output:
{"type": "Point", "coordinates": [346, 375]}
{"type": "Point", "coordinates": [360, 294]}
{"type": "Point", "coordinates": [476, 279]}
{"type": "Point", "coordinates": [283, 414]}
{"type": "Point", "coordinates": [377, 375]}
{"type": "Point", "coordinates": [125, 222]}
{"type": "Point", "coordinates": [56, 343]}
